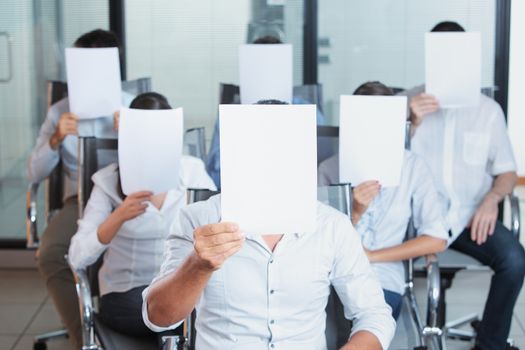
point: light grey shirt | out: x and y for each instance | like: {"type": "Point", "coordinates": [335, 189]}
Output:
{"type": "Point", "coordinates": [261, 299]}
{"type": "Point", "coordinates": [44, 159]}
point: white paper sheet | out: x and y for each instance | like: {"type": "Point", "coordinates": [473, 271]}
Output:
{"type": "Point", "coordinates": [93, 81]}
{"type": "Point", "coordinates": [453, 68]}
{"type": "Point", "coordinates": [268, 167]}
{"type": "Point", "coordinates": [265, 72]}
{"type": "Point", "coordinates": [150, 149]}
{"type": "Point", "coordinates": [372, 139]}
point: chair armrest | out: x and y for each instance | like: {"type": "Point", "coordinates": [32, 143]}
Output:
{"type": "Point", "coordinates": [515, 219]}
{"type": "Point", "coordinates": [85, 303]}
{"type": "Point", "coordinates": [32, 239]}
{"type": "Point", "coordinates": [433, 289]}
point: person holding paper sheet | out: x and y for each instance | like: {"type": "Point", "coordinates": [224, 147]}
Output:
{"type": "Point", "coordinates": [213, 161]}
{"type": "Point", "coordinates": [57, 140]}
{"type": "Point", "coordinates": [471, 159]}
{"type": "Point", "coordinates": [381, 215]}
{"type": "Point", "coordinates": [130, 232]}
{"type": "Point", "coordinates": [254, 291]}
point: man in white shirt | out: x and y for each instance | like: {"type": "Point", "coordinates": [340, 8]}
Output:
{"type": "Point", "coordinates": [57, 140]}
{"type": "Point", "coordinates": [265, 292]}
{"type": "Point", "coordinates": [471, 159]}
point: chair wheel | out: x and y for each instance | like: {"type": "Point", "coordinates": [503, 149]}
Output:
{"type": "Point", "coordinates": [420, 348]}
{"type": "Point", "coordinates": [39, 345]}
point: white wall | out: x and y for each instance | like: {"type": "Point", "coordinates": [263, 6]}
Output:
{"type": "Point", "coordinates": [516, 105]}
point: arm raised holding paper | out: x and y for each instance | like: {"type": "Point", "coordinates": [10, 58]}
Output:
{"type": "Point", "coordinates": [67, 125]}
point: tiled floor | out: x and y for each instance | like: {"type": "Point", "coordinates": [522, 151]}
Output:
{"type": "Point", "coordinates": [25, 309]}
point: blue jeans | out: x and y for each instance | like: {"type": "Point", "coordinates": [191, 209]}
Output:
{"type": "Point", "coordinates": [395, 301]}
{"type": "Point", "coordinates": [506, 257]}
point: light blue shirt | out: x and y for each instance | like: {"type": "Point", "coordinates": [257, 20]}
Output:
{"type": "Point", "coordinates": [213, 162]}
{"type": "Point", "coordinates": [261, 299]}
{"type": "Point", "coordinates": [44, 159]}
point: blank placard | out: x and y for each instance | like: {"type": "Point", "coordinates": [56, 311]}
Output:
{"type": "Point", "coordinates": [268, 167]}
{"type": "Point", "coordinates": [93, 81]}
{"type": "Point", "coordinates": [453, 68]}
{"type": "Point", "coordinates": [265, 72]}
{"type": "Point", "coordinates": [372, 139]}
{"type": "Point", "coordinates": [150, 149]}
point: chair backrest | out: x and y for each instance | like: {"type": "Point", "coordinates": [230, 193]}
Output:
{"type": "Point", "coordinates": [137, 86]}
{"type": "Point", "coordinates": [229, 94]}
{"type": "Point", "coordinates": [327, 142]}
{"type": "Point", "coordinates": [195, 143]}
{"type": "Point", "coordinates": [89, 163]}
{"type": "Point", "coordinates": [337, 196]}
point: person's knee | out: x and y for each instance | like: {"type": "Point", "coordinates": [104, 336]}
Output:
{"type": "Point", "coordinates": [514, 263]}
{"type": "Point", "coordinates": [51, 259]}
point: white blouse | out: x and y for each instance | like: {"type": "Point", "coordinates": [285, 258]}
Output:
{"type": "Point", "coordinates": [134, 255]}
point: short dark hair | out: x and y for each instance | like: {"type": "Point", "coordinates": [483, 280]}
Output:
{"type": "Point", "coordinates": [97, 38]}
{"type": "Point", "coordinates": [271, 102]}
{"type": "Point", "coordinates": [150, 100]}
{"type": "Point", "coordinates": [268, 39]}
{"type": "Point", "coordinates": [448, 26]}
{"type": "Point", "coordinates": [374, 88]}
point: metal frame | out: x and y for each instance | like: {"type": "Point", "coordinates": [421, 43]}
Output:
{"type": "Point", "coordinates": [310, 37]}
{"type": "Point", "coordinates": [117, 24]}
{"type": "Point", "coordinates": [501, 64]}
{"type": "Point", "coordinates": [9, 76]}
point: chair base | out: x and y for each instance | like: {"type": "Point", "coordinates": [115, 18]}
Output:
{"type": "Point", "coordinates": [452, 331]}
{"type": "Point", "coordinates": [40, 340]}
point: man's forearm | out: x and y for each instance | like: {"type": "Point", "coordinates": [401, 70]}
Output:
{"type": "Point", "coordinates": [363, 340]}
{"type": "Point", "coordinates": [173, 297]}
{"type": "Point", "coordinates": [503, 185]}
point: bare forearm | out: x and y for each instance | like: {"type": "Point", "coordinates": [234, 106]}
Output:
{"type": "Point", "coordinates": [412, 248]}
{"type": "Point", "coordinates": [173, 298]}
{"type": "Point", "coordinates": [109, 228]}
{"type": "Point", "coordinates": [503, 185]}
{"type": "Point", "coordinates": [362, 340]}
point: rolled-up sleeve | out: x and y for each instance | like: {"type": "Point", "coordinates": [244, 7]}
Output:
{"type": "Point", "coordinates": [177, 247]}
{"type": "Point", "coordinates": [358, 287]}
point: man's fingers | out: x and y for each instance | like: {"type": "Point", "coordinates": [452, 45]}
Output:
{"type": "Point", "coordinates": [492, 227]}
{"type": "Point", "coordinates": [219, 250]}
{"type": "Point", "coordinates": [221, 227]}
{"type": "Point", "coordinates": [141, 194]}
{"type": "Point", "coordinates": [474, 228]}
{"type": "Point", "coordinates": [221, 238]}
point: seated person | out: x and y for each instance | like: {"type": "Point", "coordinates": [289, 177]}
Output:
{"type": "Point", "coordinates": [381, 215]}
{"type": "Point", "coordinates": [130, 231]}
{"type": "Point", "coordinates": [265, 291]}
{"type": "Point", "coordinates": [57, 140]}
{"type": "Point", "coordinates": [472, 145]}
{"type": "Point", "coordinates": [213, 161]}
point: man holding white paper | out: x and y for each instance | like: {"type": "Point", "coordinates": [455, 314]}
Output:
{"type": "Point", "coordinates": [471, 159]}
{"type": "Point", "coordinates": [263, 280]}
{"type": "Point", "coordinates": [57, 140]}
{"type": "Point", "coordinates": [381, 213]}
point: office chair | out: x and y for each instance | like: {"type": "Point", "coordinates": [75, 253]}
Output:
{"type": "Point", "coordinates": [195, 143]}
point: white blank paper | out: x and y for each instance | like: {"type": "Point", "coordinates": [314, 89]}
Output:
{"type": "Point", "coordinates": [372, 139]}
{"type": "Point", "coordinates": [93, 81]}
{"type": "Point", "coordinates": [453, 68]}
{"type": "Point", "coordinates": [265, 72]}
{"type": "Point", "coordinates": [268, 167]}
{"type": "Point", "coordinates": [150, 149]}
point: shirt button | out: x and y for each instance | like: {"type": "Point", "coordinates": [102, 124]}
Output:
{"type": "Point", "coordinates": [272, 321]}
{"type": "Point", "coordinates": [272, 291]}
{"type": "Point", "coordinates": [271, 261]}
{"type": "Point", "coordinates": [272, 345]}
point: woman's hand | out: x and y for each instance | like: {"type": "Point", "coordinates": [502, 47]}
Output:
{"type": "Point", "coordinates": [133, 206]}
{"type": "Point", "coordinates": [116, 120]}
{"type": "Point", "coordinates": [362, 196]}
{"type": "Point", "coordinates": [422, 105]}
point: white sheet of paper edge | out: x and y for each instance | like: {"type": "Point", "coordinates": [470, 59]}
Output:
{"type": "Point", "coordinates": [372, 139]}
{"type": "Point", "coordinates": [150, 149]}
{"type": "Point", "coordinates": [93, 81]}
{"type": "Point", "coordinates": [268, 167]}
{"type": "Point", "coordinates": [453, 68]}
{"type": "Point", "coordinates": [265, 72]}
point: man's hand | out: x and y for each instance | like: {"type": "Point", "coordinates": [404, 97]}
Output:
{"type": "Point", "coordinates": [422, 105]}
{"type": "Point", "coordinates": [484, 220]}
{"type": "Point", "coordinates": [215, 243]}
{"type": "Point", "coordinates": [133, 206]}
{"type": "Point", "coordinates": [116, 120]}
{"type": "Point", "coordinates": [67, 125]}
{"type": "Point", "coordinates": [362, 196]}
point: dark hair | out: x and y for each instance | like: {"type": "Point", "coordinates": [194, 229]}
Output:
{"type": "Point", "coordinates": [374, 88]}
{"type": "Point", "coordinates": [267, 39]}
{"type": "Point", "coordinates": [271, 102]}
{"type": "Point", "coordinates": [150, 100]}
{"type": "Point", "coordinates": [448, 26]}
{"type": "Point", "coordinates": [147, 100]}
{"type": "Point", "coordinates": [97, 38]}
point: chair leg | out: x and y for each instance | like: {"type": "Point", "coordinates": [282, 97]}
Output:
{"type": "Point", "coordinates": [39, 342]}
